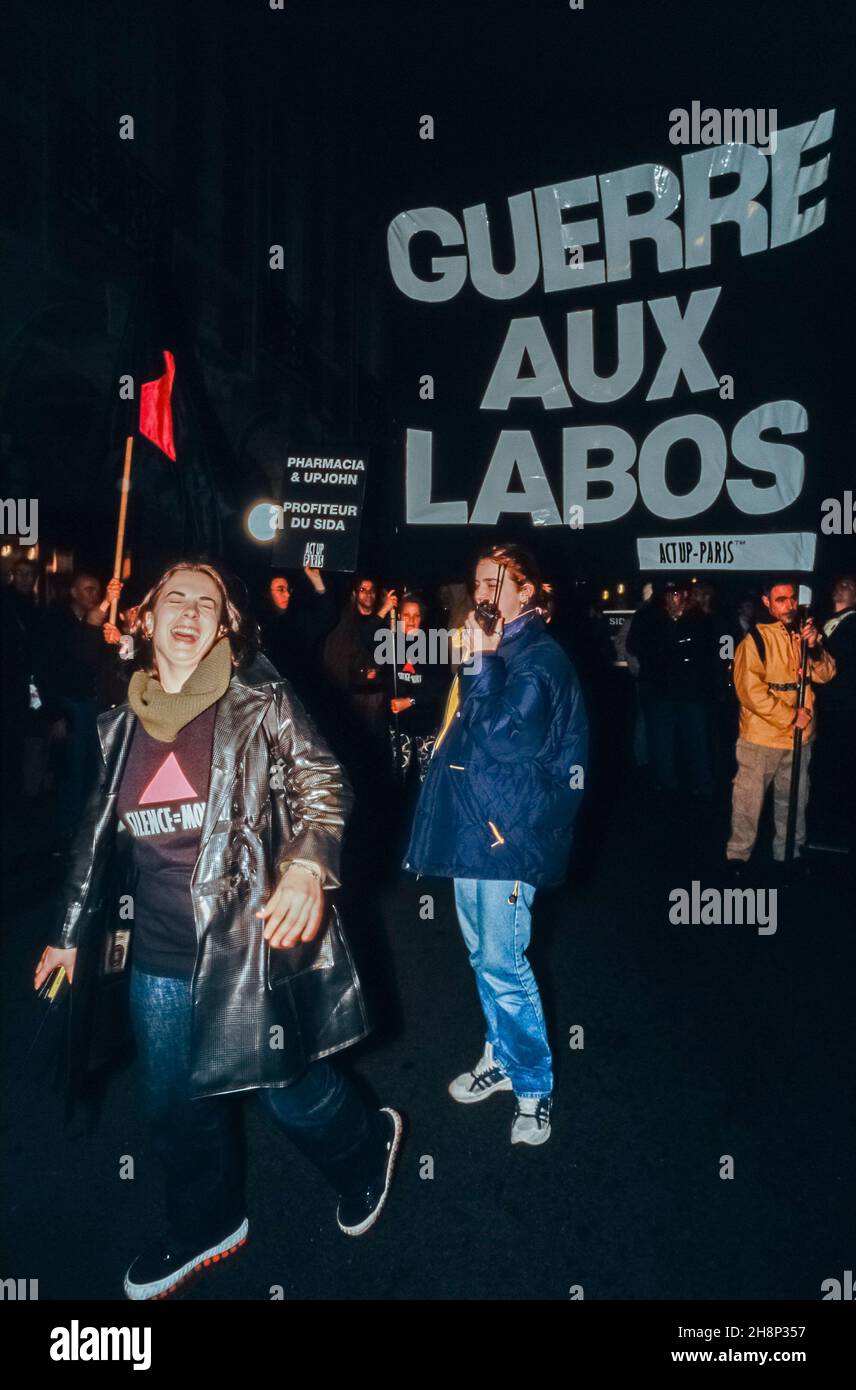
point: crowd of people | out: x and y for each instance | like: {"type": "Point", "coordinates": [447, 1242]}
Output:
{"type": "Point", "coordinates": [677, 675]}
{"type": "Point", "coordinates": [209, 751]}
{"type": "Point", "coordinates": [714, 707]}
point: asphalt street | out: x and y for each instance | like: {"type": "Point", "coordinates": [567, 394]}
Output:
{"type": "Point", "coordinates": [699, 1042]}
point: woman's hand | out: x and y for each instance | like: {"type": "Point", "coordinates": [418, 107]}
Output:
{"type": "Point", "coordinates": [50, 958]}
{"type": "Point", "coordinates": [315, 578]}
{"type": "Point", "coordinates": [295, 909]}
{"type": "Point", "coordinates": [477, 640]}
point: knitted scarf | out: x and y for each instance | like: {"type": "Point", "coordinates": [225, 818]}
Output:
{"type": "Point", "coordinates": [163, 715]}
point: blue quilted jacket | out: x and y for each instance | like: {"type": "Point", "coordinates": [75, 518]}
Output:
{"type": "Point", "coordinates": [505, 783]}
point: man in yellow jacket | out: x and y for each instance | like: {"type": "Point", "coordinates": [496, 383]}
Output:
{"type": "Point", "coordinates": [766, 679]}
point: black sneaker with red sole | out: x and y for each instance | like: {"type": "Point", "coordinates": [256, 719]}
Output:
{"type": "Point", "coordinates": [164, 1267]}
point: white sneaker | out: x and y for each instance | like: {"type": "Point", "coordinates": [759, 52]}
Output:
{"type": "Point", "coordinates": [531, 1123]}
{"type": "Point", "coordinates": [486, 1077]}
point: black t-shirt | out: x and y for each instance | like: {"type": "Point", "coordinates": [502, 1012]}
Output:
{"type": "Point", "coordinates": [161, 803]}
{"type": "Point", "coordinates": [427, 685]}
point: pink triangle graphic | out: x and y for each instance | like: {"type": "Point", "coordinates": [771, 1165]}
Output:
{"type": "Point", "coordinates": [168, 784]}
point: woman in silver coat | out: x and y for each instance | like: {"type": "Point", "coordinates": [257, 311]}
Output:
{"type": "Point", "coordinates": [199, 893]}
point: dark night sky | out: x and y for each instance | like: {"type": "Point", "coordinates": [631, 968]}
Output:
{"type": "Point", "coordinates": [530, 94]}
{"type": "Point", "coordinates": [523, 95]}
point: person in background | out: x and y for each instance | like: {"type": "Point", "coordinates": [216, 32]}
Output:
{"type": "Point", "coordinates": [706, 598]}
{"type": "Point", "coordinates": [833, 776]}
{"type": "Point", "coordinates": [119, 634]}
{"type": "Point", "coordinates": [21, 713]}
{"type": "Point", "coordinates": [350, 651]}
{"type": "Point", "coordinates": [23, 582]}
{"type": "Point", "coordinates": [20, 620]}
{"type": "Point", "coordinates": [115, 672]}
{"type": "Point", "coordinates": [295, 622]}
{"type": "Point", "coordinates": [495, 814]}
{"type": "Point", "coordinates": [455, 600]}
{"type": "Point", "coordinates": [746, 613]}
{"type": "Point", "coordinates": [230, 926]}
{"type": "Point", "coordinates": [414, 712]}
{"type": "Point", "coordinates": [766, 679]}
{"type": "Point", "coordinates": [720, 704]}
{"type": "Point", "coordinates": [677, 649]}
{"type": "Point", "coordinates": [638, 744]}
{"type": "Point", "coordinates": [69, 659]}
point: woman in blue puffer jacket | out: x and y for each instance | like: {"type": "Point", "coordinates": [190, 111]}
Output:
{"type": "Point", "coordinates": [495, 814]}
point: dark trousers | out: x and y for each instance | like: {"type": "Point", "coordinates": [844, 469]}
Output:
{"type": "Point", "coordinates": [679, 739]}
{"type": "Point", "coordinates": [832, 808]}
{"type": "Point", "coordinates": [80, 754]}
{"type": "Point", "coordinates": [198, 1142]}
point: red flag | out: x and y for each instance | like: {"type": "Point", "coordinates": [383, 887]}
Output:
{"type": "Point", "coordinates": [156, 409]}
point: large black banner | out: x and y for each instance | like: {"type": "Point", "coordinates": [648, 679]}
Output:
{"type": "Point", "coordinates": [618, 338]}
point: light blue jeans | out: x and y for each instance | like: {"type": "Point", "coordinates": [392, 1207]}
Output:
{"type": "Point", "coordinates": [496, 934]}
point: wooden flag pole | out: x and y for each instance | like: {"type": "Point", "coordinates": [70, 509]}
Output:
{"type": "Point", "coordinates": [123, 512]}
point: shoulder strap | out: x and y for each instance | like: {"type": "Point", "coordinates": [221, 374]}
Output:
{"type": "Point", "coordinates": [836, 620]}
{"type": "Point", "coordinates": [755, 633]}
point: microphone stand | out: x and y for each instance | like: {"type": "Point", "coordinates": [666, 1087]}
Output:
{"type": "Point", "coordinates": [790, 833]}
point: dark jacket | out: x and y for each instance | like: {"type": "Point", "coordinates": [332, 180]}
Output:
{"type": "Point", "coordinates": [275, 792]}
{"type": "Point", "coordinates": [678, 657]}
{"type": "Point", "coordinates": [349, 652]}
{"type": "Point", "coordinates": [504, 784]}
{"type": "Point", "coordinates": [294, 637]}
{"type": "Point", "coordinates": [840, 641]}
{"type": "Point", "coordinates": [18, 630]}
{"type": "Point", "coordinates": [70, 654]}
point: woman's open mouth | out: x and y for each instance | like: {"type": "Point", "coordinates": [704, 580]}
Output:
{"type": "Point", "coordinates": [184, 634]}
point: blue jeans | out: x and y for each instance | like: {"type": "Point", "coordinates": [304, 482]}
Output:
{"type": "Point", "coordinates": [199, 1141]}
{"type": "Point", "coordinates": [496, 934]}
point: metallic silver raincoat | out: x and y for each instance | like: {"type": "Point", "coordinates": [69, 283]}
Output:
{"type": "Point", "coordinates": [276, 792]}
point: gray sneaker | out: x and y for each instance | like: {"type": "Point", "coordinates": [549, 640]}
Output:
{"type": "Point", "coordinates": [485, 1078]}
{"type": "Point", "coordinates": [531, 1123]}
